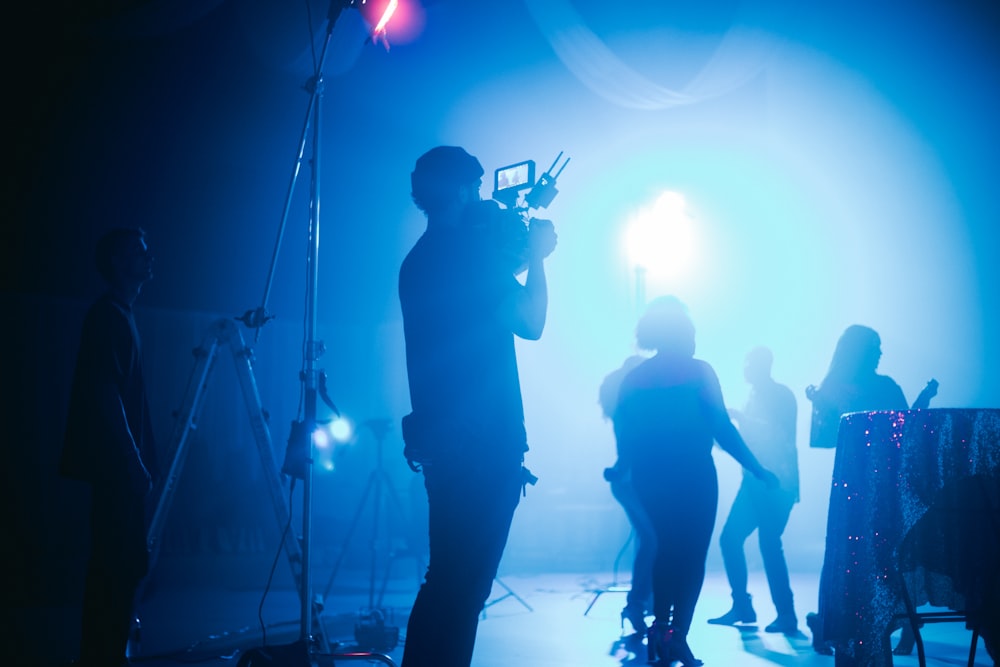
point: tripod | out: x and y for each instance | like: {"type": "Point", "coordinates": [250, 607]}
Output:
{"type": "Point", "coordinates": [614, 586]}
{"type": "Point", "coordinates": [225, 333]}
{"type": "Point", "coordinates": [378, 483]}
{"type": "Point", "coordinates": [508, 594]}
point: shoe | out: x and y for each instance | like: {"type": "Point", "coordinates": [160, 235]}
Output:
{"type": "Point", "coordinates": [786, 624]}
{"type": "Point", "coordinates": [658, 640]}
{"type": "Point", "coordinates": [636, 617]}
{"type": "Point", "coordinates": [741, 612]}
{"type": "Point", "coordinates": [815, 627]}
{"type": "Point", "coordinates": [679, 650]}
{"type": "Point", "coordinates": [633, 643]}
{"type": "Point", "coordinates": [666, 646]}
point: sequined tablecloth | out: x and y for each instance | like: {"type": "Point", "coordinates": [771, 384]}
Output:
{"type": "Point", "coordinates": [915, 496]}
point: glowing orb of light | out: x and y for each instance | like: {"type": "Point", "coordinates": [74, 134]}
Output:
{"type": "Point", "coordinates": [661, 238]}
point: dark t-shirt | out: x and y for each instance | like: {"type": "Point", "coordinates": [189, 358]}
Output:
{"type": "Point", "coordinates": [108, 369]}
{"type": "Point", "coordinates": [768, 427]}
{"type": "Point", "coordinates": [460, 357]}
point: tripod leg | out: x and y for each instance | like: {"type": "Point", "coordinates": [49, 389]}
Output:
{"type": "Point", "coordinates": [509, 594]}
{"type": "Point", "coordinates": [177, 446]}
{"type": "Point", "coordinates": [297, 553]}
{"type": "Point", "coordinates": [613, 587]}
{"type": "Point", "coordinates": [398, 505]}
{"type": "Point", "coordinates": [350, 533]}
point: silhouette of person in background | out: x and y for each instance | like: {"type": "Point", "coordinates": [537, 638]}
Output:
{"type": "Point", "coordinates": [462, 306]}
{"type": "Point", "coordinates": [109, 444]}
{"type": "Point", "coordinates": [670, 412]}
{"type": "Point", "coordinates": [640, 596]}
{"type": "Point", "coordinates": [767, 424]}
{"type": "Point", "coordinates": [852, 384]}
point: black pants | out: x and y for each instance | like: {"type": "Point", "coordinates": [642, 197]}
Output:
{"type": "Point", "coordinates": [766, 511]}
{"type": "Point", "coordinates": [118, 562]}
{"type": "Point", "coordinates": [682, 509]}
{"type": "Point", "coordinates": [470, 508]}
{"type": "Point", "coordinates": [641, 591]}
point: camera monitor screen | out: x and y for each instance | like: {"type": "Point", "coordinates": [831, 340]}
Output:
{"type": "Point", "coordinates": [514, 177]}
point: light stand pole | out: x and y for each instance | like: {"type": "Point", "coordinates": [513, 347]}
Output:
{"type": "Point", "coordinates": [640, 288]}
{"type": "Point", "coordinates": [312, 348]}
{"type": "Point", "coordinates": [313, 380]}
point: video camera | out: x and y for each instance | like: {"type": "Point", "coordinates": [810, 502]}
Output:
{"type": "Point", "coordinates": [510, 181]}
{"type": "Point", "coordinates": [506, 216]}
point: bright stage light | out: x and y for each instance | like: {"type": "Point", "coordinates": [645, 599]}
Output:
{"type": "Point", "coordinates": [378, 13]}
{"type": "Point", "coordinates": [341, 430]}
{"type": "Point", "coordinates": [329, 437]}
{"type": "Point", "coordinates": [387, 13]}
{"type": "Point", "coordinates": [661, 239]}
{"type": "Point", "coordinates": [321, 438]}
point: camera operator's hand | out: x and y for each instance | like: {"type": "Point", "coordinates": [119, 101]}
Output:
{"type": "Point", "coordinates": [541, 238]}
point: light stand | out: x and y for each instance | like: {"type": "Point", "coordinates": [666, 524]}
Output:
{"type": "Point", "coordinates": [312, 349]}
{"type": "Point", "coordinates": [614, 586]}
{"type": "Point", "coordinates": [640, 289]}
{"type": "Point", "coordinates": [372, 632]}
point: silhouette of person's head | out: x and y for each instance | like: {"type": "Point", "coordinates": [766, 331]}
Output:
{"type": "Point", "coordinates": [122, 257]}
{"type": "Point", "coordinates": [439, 176]}
{"type": "Point", "coordinates": [857, 354]}
{"type": "Point", "coordinates": [757, 365]}
{"type": "Point", "coordinates": [666, 327]}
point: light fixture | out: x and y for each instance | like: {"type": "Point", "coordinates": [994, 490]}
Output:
{"type": "Point", "coordinates": [377, 14]}
{"type": "Point", "coordinates": [660, 242]}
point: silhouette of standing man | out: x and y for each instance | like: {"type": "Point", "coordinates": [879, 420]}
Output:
{"type": "Point", "coordinates": [109, 444]}
{"type": "Point", "coordinates": [767, 424]}
{"type": "Point", "coordinates": [462, 306]}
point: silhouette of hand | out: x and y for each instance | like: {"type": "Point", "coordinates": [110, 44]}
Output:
{"type": "Point", "coordinates": [541, 238]}
{"type": "Point", "coordinates": [924, 399]}
{"type": "Point", "coordinates": [769, 478]}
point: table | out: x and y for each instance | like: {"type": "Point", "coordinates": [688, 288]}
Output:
{"type": "Point", "coordinates": [915, 497]}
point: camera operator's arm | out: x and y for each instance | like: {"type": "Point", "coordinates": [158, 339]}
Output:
{"type": "Point", "coordinates": [527, 307]}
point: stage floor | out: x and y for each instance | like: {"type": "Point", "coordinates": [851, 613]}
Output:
{"type": "Point", "coordinates": [543, 620]}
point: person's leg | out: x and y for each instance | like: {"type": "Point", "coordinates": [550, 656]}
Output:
{"type": "Point", "coordinates": [681, 506]}
{"type": "Point", "coordinates": [659, 517]}
{"type": "Point", "coordinates": [640, 595]}
{"type": "Point", "coordinates": [740, 523]}
{"type": "Point", "coordinates": [95, 616]}
{"type": "Point", "coordinates": [814, 621]}
{"type": "Point", "coordinates": [657, 507]}
{"type": "Point", "coordinates": [662, 581]}
{"type": "Point", "coordinates": [694, 527]}
{"type": "Point", "coordinates": [774, 510]}
{"type": "Point", "coordinates": [470, 513]}
{"type": "Point", "coordinates": [118, 562]}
